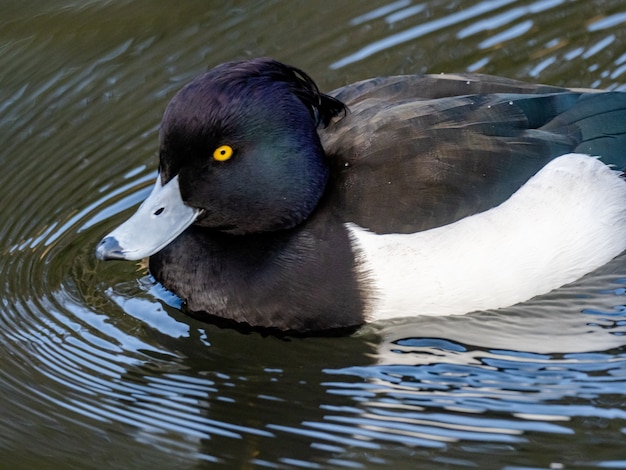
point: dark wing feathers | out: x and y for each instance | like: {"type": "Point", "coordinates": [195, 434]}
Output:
{"type": "Point", "coordinates": [435, 86]}
{"type": "Point", "coordinates": [426, 151]}
{"type": "Point", "coordinates": [598, 124]}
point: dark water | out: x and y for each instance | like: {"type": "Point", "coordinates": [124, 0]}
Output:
{"type": "Point", "coordinates": [99, 369]}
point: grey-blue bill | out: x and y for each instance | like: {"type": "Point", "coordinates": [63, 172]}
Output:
{"type": "Point", "coordinates": [158, 221]}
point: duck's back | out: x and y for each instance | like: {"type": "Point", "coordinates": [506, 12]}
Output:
{"type": "Point", "coordinates": [425, 151]}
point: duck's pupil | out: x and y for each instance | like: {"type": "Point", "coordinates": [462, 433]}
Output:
{"type": "Point", "coordinates": [159, 211]}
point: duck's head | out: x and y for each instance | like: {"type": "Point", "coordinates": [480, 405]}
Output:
{"type": "Point", "coordinates": [239, 153]}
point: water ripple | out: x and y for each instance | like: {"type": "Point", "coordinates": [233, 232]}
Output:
{"type": "Point", "coordinates": [418, 31]}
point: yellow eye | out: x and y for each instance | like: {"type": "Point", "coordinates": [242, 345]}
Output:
{"type": "Point", "coordinates": [223, 153]}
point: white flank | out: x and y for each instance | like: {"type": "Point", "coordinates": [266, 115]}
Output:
{"type": "Point", "coordinates": [566, 221]}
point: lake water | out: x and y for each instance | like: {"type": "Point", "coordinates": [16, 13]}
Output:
{"type": "Point", "coordinates": [99, 368]}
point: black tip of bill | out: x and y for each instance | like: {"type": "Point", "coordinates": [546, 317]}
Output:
{"type": "Point", "coordinates": [109, 248]}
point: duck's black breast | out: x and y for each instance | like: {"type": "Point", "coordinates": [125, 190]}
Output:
{"type": "Point", "coordinates": [298, 280]}
{"type": "Point", "coordinates": [421, 152]}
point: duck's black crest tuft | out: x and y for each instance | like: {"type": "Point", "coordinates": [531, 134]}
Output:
{"type": "Point", "coordinates": [322, 107]}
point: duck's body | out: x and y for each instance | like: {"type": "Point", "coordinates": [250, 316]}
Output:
{"type": "Point", "coordinates": [433, 195]}
{"type": "Point", "coordinates": [545, 235]}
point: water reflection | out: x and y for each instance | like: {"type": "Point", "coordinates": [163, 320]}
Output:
{"type": "Point", "coordinates": [418, 31]}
